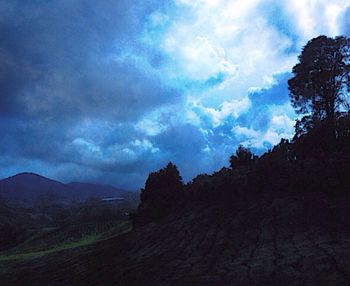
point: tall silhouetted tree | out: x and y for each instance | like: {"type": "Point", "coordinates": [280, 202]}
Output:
{"type": "Point", "coordinates": [163, 190]}
{"type": "Point", "coordinates": [321, 81]}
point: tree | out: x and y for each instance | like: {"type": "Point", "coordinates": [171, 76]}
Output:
{"type": "Point", "coordinates": [321, 81]}
{"type": "Point", "coordinates": [242, 157]}
{"type": "Point", "coordinates": [163, 189]}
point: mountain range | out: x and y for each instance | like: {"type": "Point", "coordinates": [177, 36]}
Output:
{"type": "Point", "coordinates": [28, 188]}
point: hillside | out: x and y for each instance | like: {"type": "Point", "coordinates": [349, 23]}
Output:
{"type": "Point", "coordinates": [278, 240]}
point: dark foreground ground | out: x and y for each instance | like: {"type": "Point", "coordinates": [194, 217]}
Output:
{"type": "Point", "coordinates": [289, 240]}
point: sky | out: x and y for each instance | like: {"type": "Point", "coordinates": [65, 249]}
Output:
{"type": "Point", "coordinates": [109, 91]}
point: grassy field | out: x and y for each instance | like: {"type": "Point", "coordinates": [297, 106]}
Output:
{"type": "Point", "coordinates": [62, 239]}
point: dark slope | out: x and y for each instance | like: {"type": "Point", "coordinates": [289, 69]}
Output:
{"type": "Point", "coordinates": [30, 187]}
{"type": "Point", "coordinates": [280, 240]}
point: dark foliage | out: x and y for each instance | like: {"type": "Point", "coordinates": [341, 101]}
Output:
{"type": "Point", "coordinates": [308, 164]}
{"type": "Point", "coordinates": [242, 157]}
{"type": "Point", "coordinates": [321, 82]}
{"type": "Point", "coordinates": [162, 192]}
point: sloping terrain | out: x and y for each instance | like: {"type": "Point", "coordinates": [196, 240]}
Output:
{"type": "Point", "coordinates": [277, 240]}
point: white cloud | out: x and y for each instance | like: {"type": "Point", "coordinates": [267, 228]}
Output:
{"type": "Point", "coordinates": [160, 120]}
{"type": "Point", "coordinates": [232, 108]}
{"type": "Point", "coordinates": [315, 17]}
{"type": "Point", "coordinates": [199, 58]}
{"type": "Point", "coordinates": [94, 154]}
{"type": "Point", "coordinates": [241, 41]}
{"type": "Point", "coordinates": [144, 145]}
{"type": "Point", "coordinates": [281, 126]}
{"type": "Point", "coordinates": [282, 122]}
{"type": "Point", "coordinates": [150, 127]}
{"type": "Point", "coordinates": [238, 39]}
{"type": "Point", "coordinates": [220, 51]}
{"type": "Point", "coordinates": [87, 147]}
{"type": "Point", "coordinates": [245, 132]}
{"type": "Point", "coordinates": [217, 116]}
{"type": "Point", "coordinates": [230, 37]}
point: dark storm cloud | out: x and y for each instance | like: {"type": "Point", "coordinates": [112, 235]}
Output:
{"type": "Point", "coordinates": [58, 57]}
{"type": "Point", "coordinates": [65, 62]}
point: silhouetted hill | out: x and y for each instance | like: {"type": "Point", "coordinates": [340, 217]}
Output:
{"type": "Point", "coordinates": [32, 188]}
{"type": "Point", "coordinates": [28, 187]}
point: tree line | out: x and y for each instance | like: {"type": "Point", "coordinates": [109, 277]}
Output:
{"type": "Point", "coordinates": [317, 158]}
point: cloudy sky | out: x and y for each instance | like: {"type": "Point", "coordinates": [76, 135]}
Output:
{"type": "Point", "coordinates": [108, 91]}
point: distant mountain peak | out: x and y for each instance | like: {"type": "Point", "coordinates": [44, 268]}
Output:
{"type": "Point", "coordinates": [30, 177]}
{"type": "Point", "coordinates": [26, 174]}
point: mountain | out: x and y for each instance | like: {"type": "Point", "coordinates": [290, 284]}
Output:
{"type": "Point", "coordinates": [27, 187]}
{"type": "Point", "coordinates": [30, 188]}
